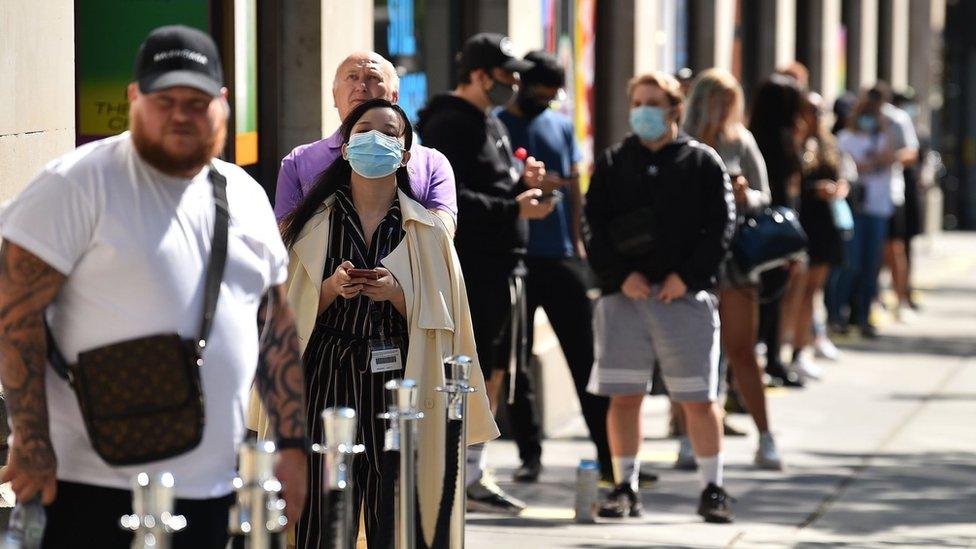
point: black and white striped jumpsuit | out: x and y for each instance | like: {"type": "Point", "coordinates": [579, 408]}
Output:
{"type": "Point", "coordinates": [337, 373]}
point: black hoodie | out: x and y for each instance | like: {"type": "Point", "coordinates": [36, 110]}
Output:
{"type": "Point", "coordinates": [490, 234]}
{"type": "Point", "coordinates": [690, 209]}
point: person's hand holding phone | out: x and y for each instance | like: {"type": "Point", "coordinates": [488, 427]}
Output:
{"type": "Point", "coordinates": [342, 284]}
{"type": "Point", "coordinates": [533, 206]}
{"type": "Point", "coordinates": [384, 287]}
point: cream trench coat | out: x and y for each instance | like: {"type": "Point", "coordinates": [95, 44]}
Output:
{"type": "Point", "coordinates": [425, 264]}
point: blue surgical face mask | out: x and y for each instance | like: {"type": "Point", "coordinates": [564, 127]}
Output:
{"type": "Point", "coordinates": [867, 123]}
{"type": "Point", "coordinates": [374, 154]}
{"type": "Point", "coordinates": [649, 123]}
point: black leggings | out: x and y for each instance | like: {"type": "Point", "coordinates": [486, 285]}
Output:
{"type": "Point", "coordinates": [85, 516]}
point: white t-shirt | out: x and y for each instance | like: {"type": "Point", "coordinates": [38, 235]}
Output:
{"type": "Point", "coordinates": [134, 245]}
{"type": "Point", "coordinates": [878, 198]}
{"type": "Point", "coordinates": [901, 132]}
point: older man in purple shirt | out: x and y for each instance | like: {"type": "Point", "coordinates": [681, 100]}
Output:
{"type": "Point", "coordinates": [362, 76]}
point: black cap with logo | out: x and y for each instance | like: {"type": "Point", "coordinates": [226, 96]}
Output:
{"type": "Point", "coordinates": [488, 50]}
{"type": "Point", "coordinates": [179, 56]}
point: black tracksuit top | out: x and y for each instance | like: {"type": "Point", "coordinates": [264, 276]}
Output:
{"type": "Point", "coordinates": [489, 232]}
{"type": "Point", "coordinates": [686, 187]}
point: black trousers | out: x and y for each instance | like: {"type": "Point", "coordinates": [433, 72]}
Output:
{"type": "Point", "coordinates": [85, 516]}
{"type": "Point", "coordinates": [490, 301]}
{"type": "Point", "coordinates": [559, 286]}
{"type": "Point", "coordinates": [337, 373]}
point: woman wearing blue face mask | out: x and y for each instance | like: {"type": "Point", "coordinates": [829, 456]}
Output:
{"type": "Point", "coordinates": [868, 141]}
{"type": "Point", "coordinates": [378, 295]}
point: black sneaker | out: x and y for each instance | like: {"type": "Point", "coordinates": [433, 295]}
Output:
{"type": "Point", "coordinates": [528, 472]}
{"type": "Point", "coordinates": [868, 331]}
{"type": "Point", "coordinates": [621, 502]}
{"type": "Point", "coordinates": [485, 496]}
{"type": "Point", "coordinates": [715, 505]}
{"type": "Point", "coordinates": [780, 376]}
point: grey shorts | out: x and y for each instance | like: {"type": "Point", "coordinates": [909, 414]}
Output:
{"type": "Point", "coordinates": [683, 337]}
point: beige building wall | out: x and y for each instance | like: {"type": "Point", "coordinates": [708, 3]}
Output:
{"type": "Point", "coordinates": [525, 26]}
{"type": "Point", "coordinates": [347, 26]}
{"type": "Point", "coordinates": [37, 88]}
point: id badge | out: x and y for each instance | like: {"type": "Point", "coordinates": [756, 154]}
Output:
{"type": "Point", "coordinates": [384, 357]}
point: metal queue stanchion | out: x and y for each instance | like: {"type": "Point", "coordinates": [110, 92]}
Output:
{"type": "Point", "coordinates": [401, 436]}
{"type": "Point", "coordinates": [457, 374]}
{"type": "Point", "coordinates": [152, 519]}
{"type": "Point", "coordinates": [340, 448]}
{"type": "Point", "coordinates": [257, 520]}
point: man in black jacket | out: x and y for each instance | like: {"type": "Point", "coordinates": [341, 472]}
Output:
{"type": "Point", "coordinates": [662, 214]}
{"type": "Point", "coordinates": [497, 194]}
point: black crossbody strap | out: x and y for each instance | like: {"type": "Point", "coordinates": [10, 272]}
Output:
{"type": "Point", "coordinates": [214, 276]}
{"type": "Point", "coordinates": [218, 256]}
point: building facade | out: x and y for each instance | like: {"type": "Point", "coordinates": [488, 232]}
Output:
{"type": "Point", "coordinates": [66, 63]}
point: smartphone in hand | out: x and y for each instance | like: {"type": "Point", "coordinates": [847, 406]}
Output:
{"type": "Point", "coordinates": [368, 274]}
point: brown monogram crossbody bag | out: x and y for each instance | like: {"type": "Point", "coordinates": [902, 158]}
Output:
{"type": "Point", "coordinates": [142, 399]}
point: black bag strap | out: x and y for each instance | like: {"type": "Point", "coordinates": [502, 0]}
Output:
{"type": "Point", "coordinates": [218, 256]}
{"type": "Point", "coordinates": [214, 276]}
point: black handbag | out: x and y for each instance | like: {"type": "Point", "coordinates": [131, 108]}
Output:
{"type": "Point", "coordinates": [632, 233]}
{"type": "Point", "coordinates": [142, 399]}
{"type": "Point", "coordinates": [769, 239]}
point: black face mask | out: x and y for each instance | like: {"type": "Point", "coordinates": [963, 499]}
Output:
{"type": "Point", "coordinates": [530, 106]}
{"type": "Point", "coordinates": [500, 93]}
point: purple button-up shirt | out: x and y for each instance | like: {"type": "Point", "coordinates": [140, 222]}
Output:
{"type": "Point", "coordinates": [431, 175]}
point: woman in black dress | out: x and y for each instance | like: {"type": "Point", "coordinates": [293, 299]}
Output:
{"type": "Point", "coordinates": [823, 185]}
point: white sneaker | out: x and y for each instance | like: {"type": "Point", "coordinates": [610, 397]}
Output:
{"type": "Point", "coordinates": [766, 455]}
{"type": "Point", "coordinates": [686, 456]}
{"type": "Point", "coordinates": [806, 368]}
{"type": "Point", "coordinates": [824, 348]}
{"type": "Point", "coordinates": [905, 315]}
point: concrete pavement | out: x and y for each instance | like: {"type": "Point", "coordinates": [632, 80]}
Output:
{"type": "Point", "coordinates": [881, 453]}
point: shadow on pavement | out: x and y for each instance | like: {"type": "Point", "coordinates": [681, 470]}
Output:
{"type": "Point", "coordinates": [943, 397]}
{"type": "Point", "coordinates": [962, 347]}
{"type": "Point", "coordinates": [901, 490]}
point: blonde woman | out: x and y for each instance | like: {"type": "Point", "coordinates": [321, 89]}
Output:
{"type": "Point", "coordinates": [714, 116]}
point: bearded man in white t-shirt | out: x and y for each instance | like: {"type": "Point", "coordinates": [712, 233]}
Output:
{"type": "Point", "coordinates": [111, 242]}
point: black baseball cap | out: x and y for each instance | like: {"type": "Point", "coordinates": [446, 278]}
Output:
{"type": "Point", "coordinates": [488, 50]}
{"type": "Point", "coordinates": [178, 55]}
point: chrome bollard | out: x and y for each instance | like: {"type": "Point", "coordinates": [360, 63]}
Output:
{"type": "Point", "coordinates": [258, 517]}
{"type": "Point", "coordinates": [402, 412]}
{"type": "Point", "coordinates": [339, 433]}
{"type": "Point", "coordinates": [457, 375]}
{"type": "Point", "coordinates": [152, 519]}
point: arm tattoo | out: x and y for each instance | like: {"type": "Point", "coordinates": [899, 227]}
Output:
{"type": "Point", "coordinates": [27, 287]}
{"type": "Point", "coordinates": [280, 379]}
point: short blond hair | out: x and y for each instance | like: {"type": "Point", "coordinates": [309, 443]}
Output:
{"type": "Point", "coordinates": [667, 83]}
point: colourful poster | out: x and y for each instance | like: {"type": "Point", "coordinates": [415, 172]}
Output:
{"type": "Point", "coordinates": [569, 32]}
{"type": "Point", "coordinates": [245, 82]}
{"type": "Point", "coordinates": [585, 32]}
{"type": "Point", "coordinates": [108, 34]}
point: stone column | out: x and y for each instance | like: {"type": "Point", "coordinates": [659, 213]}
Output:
{"type": "Point", "coordinates": [37, 88]}
{"type": "Point", "coordinates": [347, 26]}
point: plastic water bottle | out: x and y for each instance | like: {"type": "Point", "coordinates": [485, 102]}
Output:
{"type": "Point", "coordinates": [26, 530]}
{"type": "Point", "coordinates": [587, 476]}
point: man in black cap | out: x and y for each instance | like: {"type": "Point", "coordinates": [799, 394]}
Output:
{"type": "Point", "coordinates": [141, 237]}
{"type": "Point", "coordinates": [497, 193]}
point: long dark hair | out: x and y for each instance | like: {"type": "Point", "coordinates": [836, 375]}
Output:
{"type": "Point", "coordinates": [773, 121]}
{"type": "Point", "coordinates": [340, 172]}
